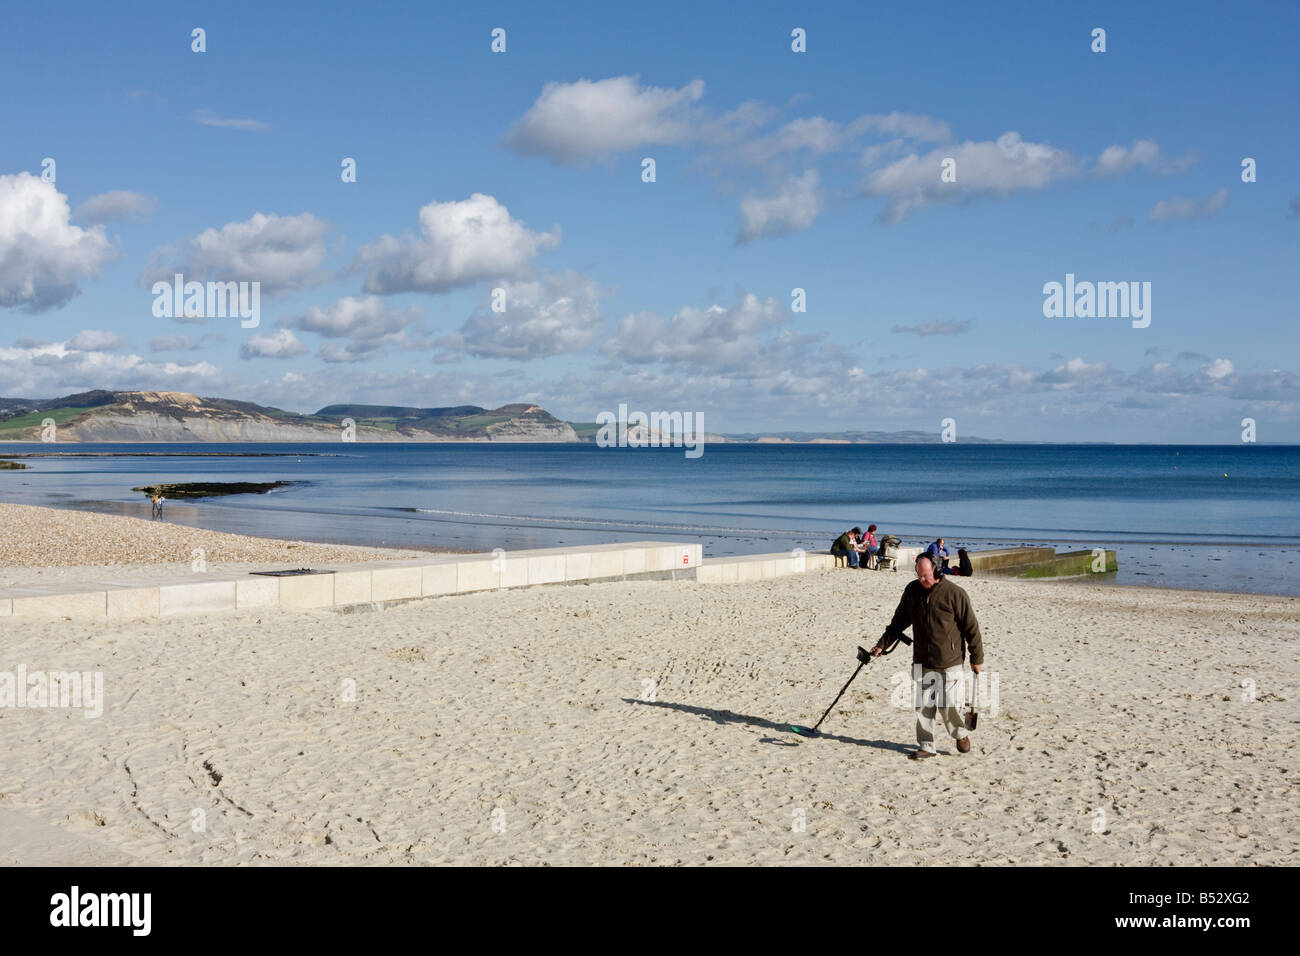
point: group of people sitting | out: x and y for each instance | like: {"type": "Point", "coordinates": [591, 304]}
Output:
{"type": "Point", "coordinates": [861, 550]}
{"type": "Point", "coordinates": [858, 548]}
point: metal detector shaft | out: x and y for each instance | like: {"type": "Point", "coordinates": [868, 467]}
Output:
{"type": "Point", "coordinates": [864, 658]}
{"type": "Point", "coordinates": [838, 696]}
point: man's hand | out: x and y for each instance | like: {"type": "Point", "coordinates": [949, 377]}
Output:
{"type": "Point", "coordinates": [875, 651]}
{"type": "Point", "coordinates": [977, 667]}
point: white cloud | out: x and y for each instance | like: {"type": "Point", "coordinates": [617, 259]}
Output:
{"type": "Point", "coordinates": [714, 337]}
{"type": "Point", "coordinates": [915, 126]}
{"type": "Point", "coordinates": [209, 118]}
{"type": "Point", "coordinates": [1219, 368]}
{"type": "Point", "coordinates": [95, 340]}
{"type": "Point", "coordinates": [551, 316]}
{"type": "Point", "coordinates": [115, 205]}
{"type": "Point", "coordinates": [1116, 160]}
{"type": "Point", "coordinates": [173, 343]}
{"type": "Point", "coordinates": [1074, 372]}
{"type": "Point", "coordinates": [1278, 388]}
{"type": "Point", "coordinates": [792, 209]}
{"type": "Point", "coordinates": [280, 252]}
{"type": "Point", "coordinates": [53, 370]}
{"type": "Point", "coordinates": [42, 255]}
{"type": "Point", "coordinates": [998, 167]}
{"type": "Point", "coordinates": [280, 344]}
{"type": "Point", "coordinates": [357, 351]}
{"type": "Point", "coordinates": [818, 135]}
{"type": "Point", "coordinates": [813, 134]}
{"type": "Point", "coordinates": [952, 327]}
{"type": "Point", "coordinates": [574, 122]}
{"type": "Point", "coordinates": [353, 317]}
{"type": "Point", "coordinates": [1173, 382]}
{"type": "Point", "coordinates": [461, 242]}
{"type": "Point", "coordinates": [371, 325]}
{"type": "Point", "coordinates": [1180, 208]}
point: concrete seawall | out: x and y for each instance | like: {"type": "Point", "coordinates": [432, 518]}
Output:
{"type": "Point", "coordinates": [377, 583]}
{"type": "Point", "coordinates": [373, 582]}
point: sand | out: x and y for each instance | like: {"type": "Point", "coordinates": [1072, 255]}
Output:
{"type": "Point", "coordinates": [510, 728]}
{"type": "Point", "coordinates": [54, 545]}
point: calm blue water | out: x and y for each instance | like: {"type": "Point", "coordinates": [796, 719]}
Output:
{"type": "Point", "coordinates": [1218, 517]}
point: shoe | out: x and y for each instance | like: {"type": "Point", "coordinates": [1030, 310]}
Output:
{"type": "Point", "coordinates": [921, 754]}
{"type": "Point", "coordinates": [964, 745]}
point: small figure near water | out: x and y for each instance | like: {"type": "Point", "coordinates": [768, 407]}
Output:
{"type": "Point", "coordinates": [157, 501]}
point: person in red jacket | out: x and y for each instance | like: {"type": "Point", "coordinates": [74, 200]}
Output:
{"type": "Point", "coordinates": [868, 547]}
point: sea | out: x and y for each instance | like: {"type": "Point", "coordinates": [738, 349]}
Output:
{"type": "Point", "coordinates": [1211, 517]}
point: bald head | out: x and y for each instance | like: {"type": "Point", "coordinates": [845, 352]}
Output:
{"type": "Point", "coordinates": [925, 571]}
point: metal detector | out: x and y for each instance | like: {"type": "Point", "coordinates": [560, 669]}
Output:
{"type": "Point", "coordinates": [864, 658]}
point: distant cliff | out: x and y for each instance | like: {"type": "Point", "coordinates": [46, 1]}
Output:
{"type": "Point", "coordinates": [103, 416]}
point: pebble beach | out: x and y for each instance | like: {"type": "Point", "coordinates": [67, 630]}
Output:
{"type": "Point", "coordinates": [55, 544]}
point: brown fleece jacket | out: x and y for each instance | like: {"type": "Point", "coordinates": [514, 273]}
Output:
{"type": "Point", "coordinates": [943, 625]}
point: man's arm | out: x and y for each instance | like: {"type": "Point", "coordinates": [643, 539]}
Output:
{"type": "Point", "coordinates": [969, 626]}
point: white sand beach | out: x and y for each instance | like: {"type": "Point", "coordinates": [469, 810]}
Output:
{"type": "Point", "coordinates": [510, 728]}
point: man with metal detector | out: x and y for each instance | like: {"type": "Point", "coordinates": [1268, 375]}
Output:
{"type": "Point", "coordinates": [943, 628]}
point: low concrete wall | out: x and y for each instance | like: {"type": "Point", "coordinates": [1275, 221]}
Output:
{"type": "Point", "coordinates": [377, 583]}
{"type": "Point", "coordinates": [1069, 564]}
{"type": "Point", "coordinates": [1009, 557]}
{"type": "Point", "coordinates": [1025, 562]}
{"type": "Point", "coordinates": [373, 582]}
{"type": "Point", "coordinates": [758, 567]}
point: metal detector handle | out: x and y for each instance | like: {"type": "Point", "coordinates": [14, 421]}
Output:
{"type": "Point", "coordinates": [888, 648]}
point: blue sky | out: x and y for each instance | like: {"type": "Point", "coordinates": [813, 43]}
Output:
{"type": "Point", "coordinates": [775, 170]}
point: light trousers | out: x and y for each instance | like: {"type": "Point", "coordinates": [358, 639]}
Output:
{"type": "Point", "coordinates": [943, 691]}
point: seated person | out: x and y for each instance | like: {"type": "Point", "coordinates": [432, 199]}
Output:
{"type": "Point", "coordinates": [965, 567]}
{"type": "Point", "coordinates": [868, 547]}
{"type": "Point", "coordinates": [938, 556]}
{"type": "Point", "coordinates": [847, 545]}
